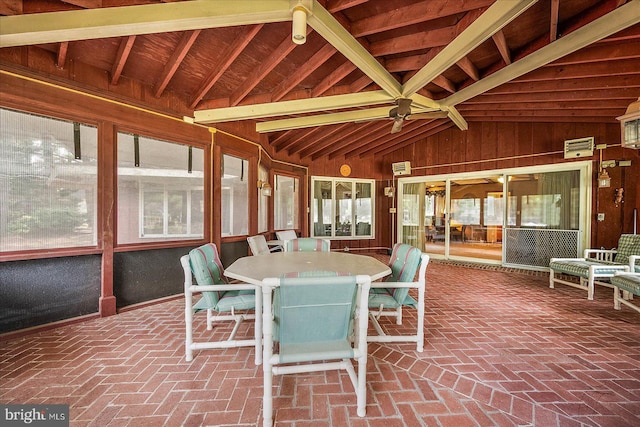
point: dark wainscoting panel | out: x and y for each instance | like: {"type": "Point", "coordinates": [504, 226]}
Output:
{"type": "Point", "coordinates": [231, 251]}
{"type": "Point", "coordinates": [41, 291]}
{"type": "Point", "coordinates": [142, 276]}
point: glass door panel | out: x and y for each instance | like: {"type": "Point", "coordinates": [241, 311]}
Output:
{"type": "Point", "coordinates": [543, 217]}
{"type": "Point", "coordinates": [423, 208]}
{"type": "Point", "coordinates": [476, 220]}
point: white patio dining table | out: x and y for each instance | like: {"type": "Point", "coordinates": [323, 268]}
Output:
{"type": "Point", "coordinates": [253, 269]}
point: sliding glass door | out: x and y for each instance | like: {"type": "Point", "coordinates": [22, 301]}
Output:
{"type": "Point", "coordinates": [520, 216]}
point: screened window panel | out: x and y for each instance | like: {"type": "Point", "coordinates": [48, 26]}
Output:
{"type": "Point", "coordinates": [160, 193]}
{"type": "Point", "coordinates": [235, 196]}
{"type": "Point", "coordinates": [48, 183]}
{"type": "Point", "coordinates": [263, 202]}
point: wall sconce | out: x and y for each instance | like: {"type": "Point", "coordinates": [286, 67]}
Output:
{"type": "Point", "coordinates": [630, 126]}
{"type": "Point", "coordinates": [265, 188]}
{"type": "Point", "coordinates": [299, 26]}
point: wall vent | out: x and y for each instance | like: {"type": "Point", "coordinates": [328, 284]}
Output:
{"type": "Point", "coordinates": [581, 147]}
{"type": "Point", "coordinates": [401, 168]}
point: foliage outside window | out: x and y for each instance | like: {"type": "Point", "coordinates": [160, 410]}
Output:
{"type": "Point", "coordinates": [286, 202]}
{"type": "Point", "coordinates": [235, 196]}
{"type": "Point", "coordinates": [342, 208]}
{"type": "Point", "coordinates": [160, 190]}
{"type": "Point", "coordinates": [48, 183]}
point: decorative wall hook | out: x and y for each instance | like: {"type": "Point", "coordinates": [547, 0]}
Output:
{"type": "Point", "coordinates": [619, 197]}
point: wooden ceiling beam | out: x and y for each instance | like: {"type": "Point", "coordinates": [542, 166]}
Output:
{"type": "Point", "coordinates": [333, 78]}
{"type": "Point", "coordinates": [606, 104]}
{"type": "Point", "coordinates": [301, 73]}
{"type": "Point", "coordinates": [326, 132]}
{"type": "Point", "coordinates": [293, 136]}
{"type": "Point", "coordinates": [364, 134]}
{"type": "Point", "coordinates": [186, 41]}
{"type": "Point", "coordinates": [553, 30]}
{"type": "Point", "coordinates": [501, 43]}
{"type": "Point", "coordinates": [334, 33]}
{"type": "Point", "coordinates": [621, 18]}
{"type": "Point", "coordinates": [432, 129]}
{"type": "Point", "coordinates": [61, 57]}
{"type": "Point", "coordinates": [469, 68]}
{"type": "Point", "coordinates": [297, 106]}
{"type": "Point", "coordinates": [88, 24]}
{"type": "Point", "coordinates": [229, 56]}
{"type": "Point", "coordinates": [628, 94]}
{"type": "Point", "coordinates": [601, 52]}
{"type": "Point", "coordinates": [516, 87]}
{"type": "Point", "coordinates": [383, 137]}
{"type": "Point", "coordinates": [435, 38]}
{"type": "Point", "coordinates": [413, 14]}
{"type": "Point", "coordinates": [343, 132]}
{"type": "Point", "coordinates": [494, 19]}
{"type": "Point", "coordinates": [338, 5]}
{"type": "Point", "coordinates": [126, 44]}
{"type": "Point", "coordinates": [266, 66]}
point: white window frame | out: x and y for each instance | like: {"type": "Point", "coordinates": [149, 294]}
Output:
{"type": "Point", "coordinates": [353, 182]}
{"type": "Point", "coordinates": [165, 212]}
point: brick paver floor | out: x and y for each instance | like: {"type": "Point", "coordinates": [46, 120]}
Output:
{"type": "Point", "coordinates": [501, 349]}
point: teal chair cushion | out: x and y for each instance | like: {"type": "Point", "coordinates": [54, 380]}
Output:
{"type": "Point", "coordinates": [404, 263]}
{"type": "Point", "coordinates": [313, 317]}
{"type": "Point", "coordinates": [629, 244]}
{"type": "Point", "coordinates": [627, 283]}
{"type": "Point", "coordinates": [307, 244]}
{"type": "Point", "coordinates": [579, 267]}
{"type": "Point", "coordinates": [207, 270]}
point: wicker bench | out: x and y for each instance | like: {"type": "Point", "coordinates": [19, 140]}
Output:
{"type": "Point", "coordinates": [597, 267]}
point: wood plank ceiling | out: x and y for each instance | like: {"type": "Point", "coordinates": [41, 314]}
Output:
{"type": "Point", "coordinates": [217, 60]}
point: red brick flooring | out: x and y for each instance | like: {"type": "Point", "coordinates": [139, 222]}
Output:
{"type": "Point", "coordinates": [502, 349]}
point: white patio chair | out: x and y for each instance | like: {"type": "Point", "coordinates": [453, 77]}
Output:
{"type": "Point", "coordinates": [258, 245]}
{"type": "Point", "coordinates": [312, 320]}
{"type": "Point", "coordinates": [387, 298]}
{"type": "Point", "coordinates": [232, 302]}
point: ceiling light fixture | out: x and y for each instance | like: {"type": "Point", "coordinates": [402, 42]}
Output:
{"type": "Point", "coordinates": [299, 27]}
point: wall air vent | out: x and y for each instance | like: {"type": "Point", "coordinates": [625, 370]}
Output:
{"type": "Point", "coordinates": [581, 147]}
{"type": "Point", "coordinates": [401, 168]}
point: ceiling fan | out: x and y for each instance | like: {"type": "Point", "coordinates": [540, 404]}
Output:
{"type": "Point", "coordinates": [402, 111]}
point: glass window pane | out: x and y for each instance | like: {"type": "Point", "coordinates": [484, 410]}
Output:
{"type": "Point", "coordinates": [235, 196]}
{"type": "Point", "coordinates": [363, 211]}
{"type": "Point", "coordinates": [344, 214]}
{"type": "Point", "coordinates": [159, 199]}
{"type": "Point", "coordinates": [286, 199]}
{"type": "Point", "coordinates": [322, 208]}
{"type": "Point", "coordinates": [545, 200]}
{"type": "Point", "coordinates": [48, 196]}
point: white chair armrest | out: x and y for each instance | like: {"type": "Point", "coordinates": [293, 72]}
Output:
{"type": "Point", "coordinates": [566, 259]}
{"type": "Point", "coordinates": [395, 284]}
{"type": "Point", "coordinates": [234, 287]}
{"type": "Point", "coordinates": [626, 273]}
{"type": "Point", "coordinates": [633, 261]}
{"type": "Point", "coordinates": [600, 254]}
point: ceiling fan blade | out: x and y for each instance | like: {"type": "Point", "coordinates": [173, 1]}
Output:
{"type": "Point", "coordinates": [397, 125]}
{"type": "Point", "coordinates": [428, 115]}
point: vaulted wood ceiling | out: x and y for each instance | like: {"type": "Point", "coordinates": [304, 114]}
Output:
{"type": "Point", "coordinates": [218, 60]}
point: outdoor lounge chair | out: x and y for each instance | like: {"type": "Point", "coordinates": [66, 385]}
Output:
{"type": "Point", "coordinates": [313, 320]}
{"type": "Point", "coordinates": [597, 266]}
{"type": "Point", "coordinates": [219, 297]}
{"type": "Point", "coordinates": [388, 297]}
{"type": "Point", "coordinates": [626, 285]}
